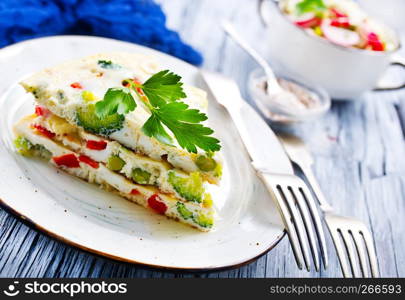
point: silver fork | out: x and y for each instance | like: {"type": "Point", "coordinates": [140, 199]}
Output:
{"type": "Point", "coordinates": [300, 216]}
{"type": "Point", "coordinates": [351, 237]}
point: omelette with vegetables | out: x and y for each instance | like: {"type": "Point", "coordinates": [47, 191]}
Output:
{"type": "Point", "coordinates": [118, 121]}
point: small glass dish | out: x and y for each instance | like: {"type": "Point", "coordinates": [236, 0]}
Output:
{"type": "Point", "coordinates": [274, 112]}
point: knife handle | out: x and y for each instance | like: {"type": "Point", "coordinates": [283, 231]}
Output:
{"type": "Point", "coordinates": [309, 174]}
{"type": "Point", "coordinates": [258, 131]}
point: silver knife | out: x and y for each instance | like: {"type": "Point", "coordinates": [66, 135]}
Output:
{"type": "Point", "coordinates": [272, 165]}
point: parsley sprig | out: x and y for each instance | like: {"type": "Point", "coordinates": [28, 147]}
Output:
{"type": "Point", "coordinates": [161, 94]}
{"type": "Point", "coordinates": [315, 6]}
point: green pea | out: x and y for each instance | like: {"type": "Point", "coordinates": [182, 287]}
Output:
{"type": "Point", "coordinates": [140, 176]}
{"type": "Point", "coordinates": [115, 163]}
{"type": "Point", "coordinates": [205, 163]}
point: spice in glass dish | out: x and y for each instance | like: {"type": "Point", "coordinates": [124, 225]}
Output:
{"type": "Point", "coordinates": [304, 99]}
{"type": "Point", "coordinates": [309, 102]}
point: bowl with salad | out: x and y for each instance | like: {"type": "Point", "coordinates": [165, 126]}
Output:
{"type": "Point", "coordinates": [333, 43]}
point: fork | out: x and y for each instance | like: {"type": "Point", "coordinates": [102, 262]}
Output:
{"type": "Point", "coordinates": [300, 216]}
{"type": "Point", "coordinates": [349, 235]}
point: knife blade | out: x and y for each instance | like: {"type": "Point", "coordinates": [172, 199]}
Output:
{"type": "Point", "coordinates": [265, 150]}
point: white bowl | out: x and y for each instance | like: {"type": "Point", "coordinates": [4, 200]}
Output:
{"type": "Point", "coordinates": [345, 73]}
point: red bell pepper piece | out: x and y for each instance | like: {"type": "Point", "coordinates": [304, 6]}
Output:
{"type": "Point", "coordinates": [96, 145]}
{"type": "Point", "coordinates": [337, 14]}
{"type": "Point", "coordinates": [340, 22]}
{"type": "Point", "coordinates": [67, 160]}
{"type": "Point", "coordinates": [374, 42]}
{"type": "Point", "coordinates": [87, 160]}
{"type": "Point", "coordinates": [311, 22]}
{"type": "Point", "coordinates": [158, 206]}
{"type": "Point", "coordinates": [42, 111]}
{"type": "Point", "coordinates": [44, 131]}
{"type": "Point", "coordinates": [76, 85]}
{"type": "Point", "coordinates": [135, 192]}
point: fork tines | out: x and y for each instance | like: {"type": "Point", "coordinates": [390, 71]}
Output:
{"type": "Point", "coordinates": [300, 216]}
{"type": "Point", "coordinates": [354, 246]}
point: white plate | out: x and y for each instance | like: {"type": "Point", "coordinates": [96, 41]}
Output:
{"type": "Point", "coordinates": [82, 215]}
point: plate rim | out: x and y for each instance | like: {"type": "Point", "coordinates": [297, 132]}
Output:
{"type": "Point", "coordinates": [30, 223]}
{"type": "Point", "coordinates": [58, 237]}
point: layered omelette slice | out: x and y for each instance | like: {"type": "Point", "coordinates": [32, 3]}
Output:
{"type": "Point", "coordinates": [33, 142]}
{"type": "Point", "coordinates": [70, 91]}
{"type": "Point", "coordinates": [136, 167]}
{"type": "Point", "coordinates": [118, 121]}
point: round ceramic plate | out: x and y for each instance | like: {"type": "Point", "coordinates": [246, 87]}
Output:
{"type": "Point", "coordinates": [82, 215]}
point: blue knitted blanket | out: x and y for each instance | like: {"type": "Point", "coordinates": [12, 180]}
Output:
{"type": "Point", "coordinates": [137, 21]}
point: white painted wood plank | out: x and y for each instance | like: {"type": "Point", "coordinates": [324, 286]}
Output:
{"type": "Point", "coordinates": [359, 149]}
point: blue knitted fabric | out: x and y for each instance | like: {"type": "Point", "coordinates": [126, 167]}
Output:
{"type": "Point", "coordinates": [137, 21]}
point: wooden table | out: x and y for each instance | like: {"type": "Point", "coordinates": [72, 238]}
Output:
{"type": "Point", "coordinates": [360, 163]}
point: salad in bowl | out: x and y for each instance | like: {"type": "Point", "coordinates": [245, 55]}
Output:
{"type": "Point", "coordinates": [341, 22]}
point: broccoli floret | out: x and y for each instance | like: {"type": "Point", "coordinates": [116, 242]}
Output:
{"type": "Point", "coordinates": [41, 151]}
{"type": "Point", "coordinates": [23, 146]}
{"type": "Point", "coordinates": [203, 220]}
{"type": "Point", "coordinates": [200, 219]}
{"type": "Point", "coordinates": [26, 148]}
{"type": "Point", "coordinates": [140, 176]}
{"type": "Point", "coordinates": [183, 211]}
{"type": "Point", "coordinates": [87, 118]}
{"type": "Point", "coordinates": [190, 188]}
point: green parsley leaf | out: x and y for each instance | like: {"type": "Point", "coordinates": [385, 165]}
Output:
{"type": "Point", "coordinates": [115, 101]}
{"type": "Point", "coordinates": [163, 87]}
{"type": "Point", "coordinates": [315, 6]}
{"type": "Point", "coordinates": [153, 127]}
{"type": "Point", "coordinates": [184, 124]}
